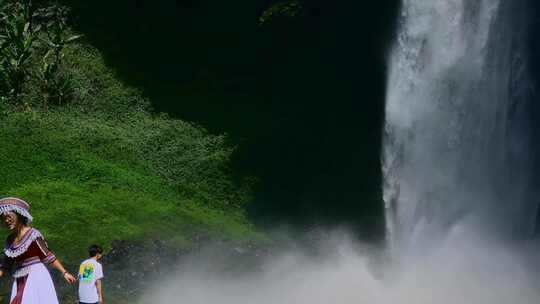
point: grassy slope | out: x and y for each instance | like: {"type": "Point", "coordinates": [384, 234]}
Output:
{"type": "Point", "coordinates": [106, 169]}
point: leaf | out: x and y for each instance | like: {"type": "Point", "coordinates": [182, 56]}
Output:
{"type": "Point", "coordinates": [48, 54]}
{"type": "Point", "coordinates": [48, 42]}
{"type": "Point", "coordinates": [73, 38]}
{"type": "Point", "coordinates": [26, 27]}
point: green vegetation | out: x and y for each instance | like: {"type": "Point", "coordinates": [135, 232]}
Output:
{"type": "Point", "coordinates": [286, 9]}
{"type": "Point", "coordinates": [90, 156]}
{"type": "Point", "coordinates": [87, 183]}
{"type": "Point", "coordinates": [32, 44]}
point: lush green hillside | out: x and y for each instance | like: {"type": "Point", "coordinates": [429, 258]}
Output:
{"type": "Point", "coordinates": [103, 167]}
{"type": "Point", "coordinates": [87, 184]}
{"type": "Point", "coordinates": [95, 162]}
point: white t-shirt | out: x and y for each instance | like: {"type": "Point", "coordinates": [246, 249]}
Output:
{"type": "Point", "coordinates": [89, 272]}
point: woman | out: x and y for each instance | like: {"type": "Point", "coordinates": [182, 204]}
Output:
{"type": "Point", "coordinates": [26, 256]}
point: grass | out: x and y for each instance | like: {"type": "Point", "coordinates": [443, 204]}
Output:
{"type": "Point", "coordinates": [104, 168]}
{"type": "Point", "coordinates": [74, 216]}
{"type": "Point", "coordinates": [86, 191]}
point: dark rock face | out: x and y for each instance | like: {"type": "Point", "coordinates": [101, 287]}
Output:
{"type": "Point", "coordinates": [132, 268]}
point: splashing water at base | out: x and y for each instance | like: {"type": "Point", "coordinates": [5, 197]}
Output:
{"type": "Point", "coordinates": [461, 271]}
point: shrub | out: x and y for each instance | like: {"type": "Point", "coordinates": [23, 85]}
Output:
{"type": "Point", "coordinates": [32, 44]}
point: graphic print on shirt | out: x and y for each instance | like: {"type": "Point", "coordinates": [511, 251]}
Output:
{"type": "Point", "coordinates": [86, 272]}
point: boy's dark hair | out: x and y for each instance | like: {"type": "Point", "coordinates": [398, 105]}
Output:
{"type": "Point", "coordinates": [94, 250]}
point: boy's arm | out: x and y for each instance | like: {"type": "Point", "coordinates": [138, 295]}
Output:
{"type": "Point", "coordinates": [100, 294]}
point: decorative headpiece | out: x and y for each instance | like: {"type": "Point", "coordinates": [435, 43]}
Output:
{"type": "Point", "coordinates": [17, 205]}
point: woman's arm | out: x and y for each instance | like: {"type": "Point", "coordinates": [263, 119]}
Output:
{"type": "Point", "coordinates": [48, 258]}
{"type": "Point", "coordinates": [66, 275]}
{"type": "Point", "coordinates": [5, 265]}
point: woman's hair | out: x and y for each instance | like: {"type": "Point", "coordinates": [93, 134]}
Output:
{"type": "Point", "coordinates": [94, 250]}
{"type": "Point", "coordinates": [23, 220]}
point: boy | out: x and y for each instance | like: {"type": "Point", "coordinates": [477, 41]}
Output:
{"type": "Point", "coordinates": [90, 275]}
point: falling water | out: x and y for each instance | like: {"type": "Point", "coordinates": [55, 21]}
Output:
{"type": "Point", "coordinates": [457, 138]}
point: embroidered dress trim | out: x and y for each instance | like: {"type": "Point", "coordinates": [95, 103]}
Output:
{"type": "Point", "coordinates": [49, 259]}
{"type": "Point", "coordinates": [21, 247]}
{"type": "Point", "coordinates": [24, 268]}
{"type": "Point", "coordinates": [30, 261]}
{"type": "Point", "coordinates": [24, 271]}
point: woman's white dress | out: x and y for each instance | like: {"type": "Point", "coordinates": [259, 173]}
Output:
{"type": "Point", "coordinates": [27, 260]}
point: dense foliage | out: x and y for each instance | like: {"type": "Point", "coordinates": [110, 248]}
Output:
{"type": "Point", "coordinates": [286, 9]}
{"type": "Point", "coordinates": [32, 44]}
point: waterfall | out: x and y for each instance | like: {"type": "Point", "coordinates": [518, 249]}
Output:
{"type": "Point", "coordinates": [458, 149]}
